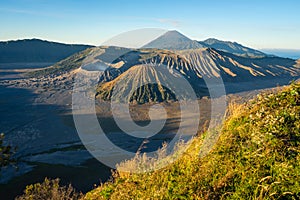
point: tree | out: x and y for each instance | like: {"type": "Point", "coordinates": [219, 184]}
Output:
{"type": "Point", "coordinates": [5, 152]}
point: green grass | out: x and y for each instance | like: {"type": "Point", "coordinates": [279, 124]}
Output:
{"type": "Point", "coordinates": [256, 157]}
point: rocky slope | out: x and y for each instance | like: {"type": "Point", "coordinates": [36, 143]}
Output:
{"type": "Point", "coordinates": [196, 66]}
{"type": "Point", "coordinates": [232, 47]}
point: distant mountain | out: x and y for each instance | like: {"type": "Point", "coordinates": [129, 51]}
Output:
{"type": "Point", "coordinates": [285, 53]}
{"type": "Point", "coordinates": [232, 47]}
{"type": "Point", "coordinates": [238, 73]}
{"type": "Point", "coordinates": [35, 50]}
{"type": "Point", "coordinates": [173, 40]}
{"type": "Point", "coordinates": [126, 68]}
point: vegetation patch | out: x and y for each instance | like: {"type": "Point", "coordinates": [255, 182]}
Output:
{"type": "Point", "coordinates": [256, 157]}
{"type": "Point", "coordinates": [49, 189]}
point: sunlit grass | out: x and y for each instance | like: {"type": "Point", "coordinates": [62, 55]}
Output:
{"type": "Point", "coordinates": [256, 157]}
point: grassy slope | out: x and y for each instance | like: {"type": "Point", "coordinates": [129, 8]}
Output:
{"type": "Point", "coordinates": [256, 157]}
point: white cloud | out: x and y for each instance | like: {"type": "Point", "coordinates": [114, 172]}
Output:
{"type": "Point", "coordinates": [172, 22]}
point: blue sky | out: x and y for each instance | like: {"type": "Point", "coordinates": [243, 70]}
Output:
{"type": "Point", "coordinates": [255, 23]}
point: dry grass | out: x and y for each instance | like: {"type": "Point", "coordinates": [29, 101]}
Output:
{"type": "Point", "coordinates": [49, 190]}
{"type": "Point", "coordinates": [256, 157]}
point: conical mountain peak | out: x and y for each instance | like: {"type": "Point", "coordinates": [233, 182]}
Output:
{"type": "Point", "coordinates": [175, 34]}
{"type": "Point", "coordinates": [173, 40]}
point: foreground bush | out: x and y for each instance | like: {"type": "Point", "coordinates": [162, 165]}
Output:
{"type": "Point", "coordinates": [256, 157]}
{"type": "Point", "coordinates": [49, 190]}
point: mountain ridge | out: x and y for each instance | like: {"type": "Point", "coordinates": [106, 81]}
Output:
{"type": "Point", "coordinates": [232, 47]}
{"type": "Point", "coordinates": [174, 40]}
{"type": "Point", "coordinates": [197, 65]}
{"type": "Point", "coordinates": [285, 53]}
{"type": "Point", "coordinates": [239, 73]}
{"type": "Point", "coordinates": [36, 50]}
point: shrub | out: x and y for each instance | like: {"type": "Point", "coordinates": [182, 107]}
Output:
{"type": "Point", "coordinates": [49, 190]}
{"type": "Point", "coordinates": [5, 153]}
